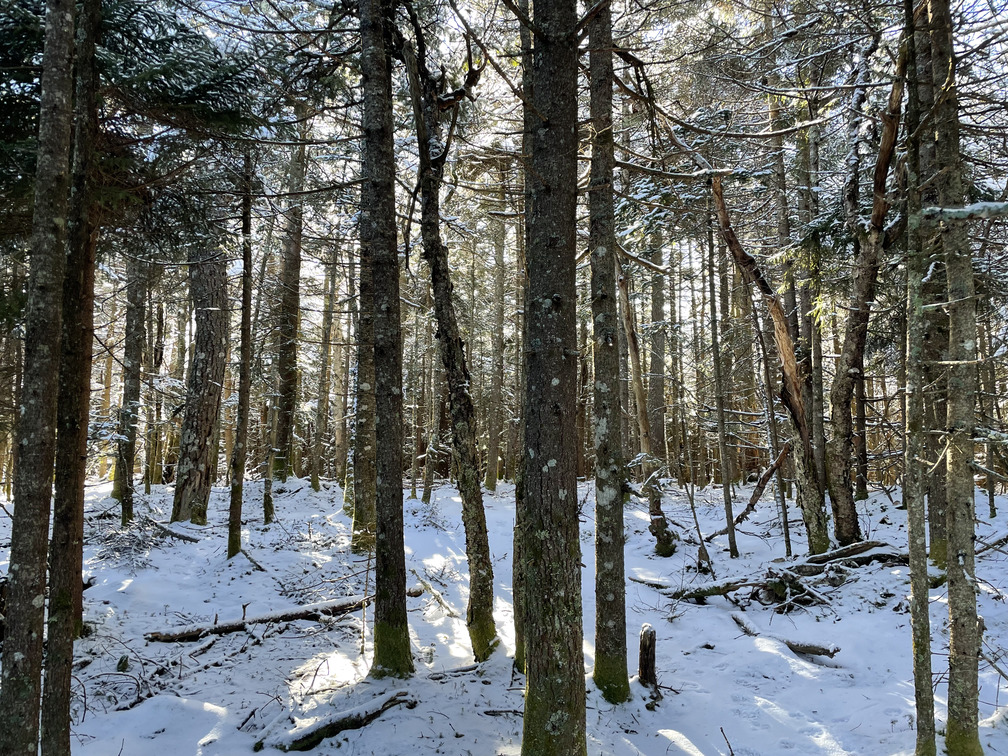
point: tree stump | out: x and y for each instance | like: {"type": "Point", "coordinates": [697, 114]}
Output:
{"type": "Point", "coordinates": [646, 658]}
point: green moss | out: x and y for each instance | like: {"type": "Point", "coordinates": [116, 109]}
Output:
{"type": "Point", "coordinates": [962, 741]}
{"type": "Point", "coordinates": [610, 677]}
{"type": "Point", "coordinates": [393, 653]}
{"type": "Point", "coordinates": [362, 541]}
{"type": "Point", "coordinates": [483, 635]}
{"type": "Point", "coordinates": [938, 553]}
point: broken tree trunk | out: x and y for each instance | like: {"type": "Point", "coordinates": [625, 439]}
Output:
{"type": "Point", "coordinates": [810, 495]}
{"type": "Point", "coordinates": [646, 674]}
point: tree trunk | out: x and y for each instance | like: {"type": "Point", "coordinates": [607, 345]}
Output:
{"type": "Point", "coordinates": [665, 538]}
{"type": "Point", "coordinates": [208, 291]}
{"type": "Point", "coordinates": [913, 455]}
{"type": "Point", "coordinates": [21, 676]}
{"type": "Point", "coordinates": [809, 492]}
{"type": "Point", "coordinates": [656, 371]}
{"type": "Point", "coordinates": [495, 426]}
{"type": "Point", "coordinates": [610, 674]}
{"type": "Point", "coordinates": [554, 720]}
{"type": "Point", "coordinates": [719, 398]}
{"type": "Point", "coordinates": [392, 655]}
{"type": "Point", "coordinates": [868, 247]}
{"type": "Point", "coordinates": [322, 399]}
{"type": "Point", "coordinates": [129, 410]}
{"type": "Point", "coordinates": [64, 621]}
{"type": "Point", "coordinates": [363, 470]}
{"type": "Point", "coordinates": [961, 736]}
{"type": "Point", "coordinates": [239, 452]}
{"type": "Point", "coordinates": [290, 304]}
{"type": "Point", "coordinates": [426, 105]}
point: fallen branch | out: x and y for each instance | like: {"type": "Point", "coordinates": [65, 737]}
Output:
{"type": "Point", "coordinates": [717, 588]}
{"type": "Point", "coordinates": [436, 594]}
{"type": "Point", "coordinates": [304, 738]}
{"type": "Point", "coordinates": [650, 583]}
{"type": "Point", "coordinates": [757, 492]}
{"type": "Point", "coordinates": [995, 544]}
{"type": "Point", "coordinates": [784, 580]}
{"type": "Point", "coordinates": [255, 564]}
{"type": "Point", "coordinates": [308, 611]}
{"type": "Point", "coordinates": [164, 529]}
{"type": "Point", "coordinates": [798, 647]}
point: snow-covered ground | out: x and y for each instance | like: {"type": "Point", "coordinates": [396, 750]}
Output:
{"type": "Point", "coordinates": [724, 691]}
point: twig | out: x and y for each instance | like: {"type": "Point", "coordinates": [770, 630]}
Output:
{"type": "Point", "coordinates": [730, 751]}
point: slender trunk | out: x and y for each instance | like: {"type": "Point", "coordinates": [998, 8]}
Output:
{"type": "Point", "coordinates": [287, 330]}
{"type": "Point", "coordinates": [610, 673]}
{"type": "Point", "coordinates": [426, 106]}
{"type": "Point", "coordinates": [719, 398]}
{"type": "Point", "coordinates": [656, 366]}
{"type": "Point", "coordinates": [809, 492]}
{"type": "Point", "coordinates": [913, 477]}
{"type": "Point", "coordinates": [239, 452]}
{"type": "Point", "coordinates": [322, 400]}
{"type": "Point", "coordinates": [961, 736]}
{"type": "Point", "coordinates": [392, 655]}
{"type": "Point", "coordinates": [129, 410]}
{"type": "Point", "coordinates": [868, 247]}
{"type": "Point", "coordinates": [665, 537]}
{"type": "Point", "coordinates": [106, 400]}
{"type": "Point", "coordinates": [494, 427]}
{"type": "Point", "coordinates": [364, 421]}
{"type": "Point", "coordinates": [21, 675]}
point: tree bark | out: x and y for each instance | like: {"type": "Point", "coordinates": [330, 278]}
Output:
{"type": "Point", "coordinates": [239, 453]}
{"type": "Point", "coordinates": [495, 425]}
{"type": "Point", "coordinates": [363, 468]}
{"type": "Point", "coordinates": [656, 366]}
{"type": "Point", "coordinates": [554, 720]}
{"type": "Point", "coordinates": [21, 676]}
{"type": "Point", "coordinates": [392, 654]}
{"type": "Point", "coordinates": [64, 620]}
{"type": "Point", "coordinates": [426, 105]}
{"type": "Point", "coordinates": [322, 399]}
{"type": "Point", "coordinates": [129, 411]}
{"type": "Point", "coordinates": [914, 485]}
{"type": "Point", "coordinates": [719, 399]}
{"type": "Point", "coordinates": [849, 367]}
{"type": "Point", "coordinates": [289, 316]}
{"type": "Point", "coordinates": [809, 491]}
{"type": "Point", "coordinates": [208, 291]}
{"type": "Point", "coordinates": [961, 735]}
{"type": "Point", "coordinates": [665, 538]}
{"type": "Point", "coordinates": [610, 674]}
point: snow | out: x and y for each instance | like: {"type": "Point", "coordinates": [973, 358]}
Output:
{"type": "Point", "coordinates": [221, 695]}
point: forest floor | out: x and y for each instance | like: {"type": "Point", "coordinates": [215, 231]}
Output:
{"type": "Point", "coordinates": [723, 691]}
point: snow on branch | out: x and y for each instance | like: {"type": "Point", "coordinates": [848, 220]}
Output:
{"type": "Point", "coordinates": [976, 211]}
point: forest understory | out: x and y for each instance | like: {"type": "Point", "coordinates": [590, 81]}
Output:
{"type": "Point", "coordinates": [733, 676]}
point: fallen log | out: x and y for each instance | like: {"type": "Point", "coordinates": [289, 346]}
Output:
{"type": "Point", "coordinates": [314, 611]}
{"type": "Point", "coordinates": [306, 737]}
{"type": "Point", "coordinates": [761, 485]}
{"type": "Point", "coordinates": [798, 647]}
{"type": "Point", "coordinates": [846, 551]}
{"type": "Point", "coordinates": [717, 588]}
